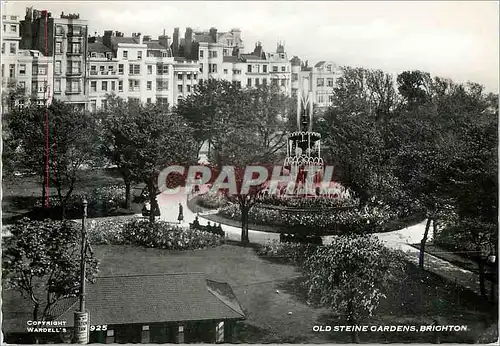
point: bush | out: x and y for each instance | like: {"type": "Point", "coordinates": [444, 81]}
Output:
{"type": "Point", "coordinates": [287, 252]}
{"type": "Point", "coordinates": [101, 200]}
{"type": "Point", "coordinates": [368, 219]}
{"type": "Point", "coordinates": [161, 235]}
{"type": "Point", "coordinates": [212, 200]}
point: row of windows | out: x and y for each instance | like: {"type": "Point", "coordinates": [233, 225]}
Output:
{"type": "Point", "coordinates": [211, 54]}
{"type": "Point", "coordinates": [134, 86]}
{"type": "Point", "coordinates": [256, 69]}
{"type": "Point", "coordinates": [125, 55]}
{"type": "Point", "coordinates": [12, 48]}
{"type": "Point", "coordinates": [321, 82]}
{"type": "Point", "coordinates": [276, 82]}
{"type": "Point", "coordinates": [12, 28]}
{"type": "Point", "coordinates": [76, 48]}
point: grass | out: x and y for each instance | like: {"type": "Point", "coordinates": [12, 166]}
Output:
{"type": "Point", "coordinates": [269, 292]}
{"type": "Point", "coordinates": [20, 193]}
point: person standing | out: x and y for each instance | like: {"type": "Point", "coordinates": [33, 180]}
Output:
{"type": "Point", "coordinates": [180, 218]}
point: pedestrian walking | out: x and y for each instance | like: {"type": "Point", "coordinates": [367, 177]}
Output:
{"type": "Point", "coordinates": [180, 218]}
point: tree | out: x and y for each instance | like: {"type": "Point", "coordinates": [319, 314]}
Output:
{"type": "Point", "coordinates": [42, 260]}
{"type": "Point", "coordinates": [72, 144]}
{"type": "Point", "coordinates": [351, 275]}
{"type": "Point", "coordinates": [355, 132]}
{"type": "Point", "coordinates": [145, 139]}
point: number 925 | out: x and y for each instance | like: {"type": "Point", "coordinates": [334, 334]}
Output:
{"type": "Point", "coordinates": [99, 328]}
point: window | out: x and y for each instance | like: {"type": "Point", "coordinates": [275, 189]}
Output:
{"type": "Point", "coordinates": [225, 71]}
{"type": "Point", "coordinates": [320, 82]}
{"type": "Point", "coordinates": [42, 69]}
{"type": "Point", "coordinates": [188, 88]}
{"type": "Point", "coordinates": [149, 85]}
{"type": "Point", "coordinates": [201, 53]}
{"type": "Point", "coordinates": [329, 82]}
{"type": "Point", "coordinates": [201, 68]}
{"type": "Point", "coordinates": [179, 76]}
{"type": "Point", "coordinates": [3, 48]}
{"type": "Point", "coordinates": [133, 85]}
{"type": "Point", "coordinates": [139, 55]}
{"type": "Point", "coordinates": [93, 105]}
{"type": "Point", "coordinates": [57, 85]}
{"type": "Point", "coordinates": [212, 68]}
{"type": "Point", "coordinates": [283, 82]}
{"type": "Point", "coordinates": [161, 85]}
{"type": "Point", "coordinates": [12, 70]}
{"type": "Point", "coordinates": [225, 52]}
{"type": "Point", "coordinates": [74, 67]}
{"type": "Point", "coordinates": [295, 77]}
{"type": "Point", "coordinates": [93, 86]}
{"type": "Point", "coordinates": [2, 70]}
{"type": "Point", "coordinates": [164, 55]}
{"type": "Point", "coordinates": [22, 85]}
{"type": "Point", "coordinates": [274, 82]}
{"type": "Point", "coordinates": [113, 85]}
{"type": "Point", "coordinates": [150, 69]}
{"type": "Point", "coordinates": [12, 48]}
{"type": "Point", "coordinates": [120, 86]}
{"type": "Point", "coordinates": [264, 81]}
{"type": "Point", "coordinates": [179, 88]}
{"type": "Point", "coordinates": [58, 48]}
{"type": "Point", "coordinates": [76, 30]}
{"type": "Point", "coordinates": [249, 82]}
{"type": "Point", "coordinates": [104, 104]}
{"type": "Point", "coordinates": [195, 76]}
{"type": "Point", "coordinates": [161, 69]}
{"type": "Point", "coordinates": [264, 68]}
{"type": "Point", "coordinates": [283, 69]}
{"type": "Point", "coordinates": [75, 85]}
{"type": "Point", "coordinates": [249, 68]}
{"type": "Point", "coordinates": [57, 67]}
{"type": "Point", "coordinates": [329, 68]}
{"type": "Point", "coordinates": [236, 71]}
{"type": "Point", "coordinates": [320, 99]}
{"type": "Point", "coordinates": [125, 54]}
{"type": "Point", "coordinates": [212, 54]}
{"type": "Point", "coordinates": [4, 28]}
{"type": "Point", "coordinates": [257, 82]}
{"type": "Point", "coordinates": [22, 69]}
{"type": "Point", "coordinates": [13, 28]}
{"type": "Point", "coordinates": [59, 30]}
{"type": "Point", "coordinates": [275, 68]}
{"type": "Point", "coordinates": [134, 69]}
{"type": "Point", "coordinates": [188, 76]}
{"type": "Point", "coordinates": [148, 100]}
{"type": "Point", "coordinates": [104, 86]}
{"type": "Point", "coordinates": [120, 68]}
{"type": "Point", "coordinates": [330, 98]}
{"type": "Point", "coordinates": [75, 48]}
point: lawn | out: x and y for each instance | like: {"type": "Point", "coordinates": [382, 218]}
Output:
{"type": "Point", "coordinates": [20, 193]}
{"type": "Point", "coordinates": [275, 302]}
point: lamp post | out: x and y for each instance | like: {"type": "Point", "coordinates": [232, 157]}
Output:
{"type": "Point", "coordinates": [82, 316]}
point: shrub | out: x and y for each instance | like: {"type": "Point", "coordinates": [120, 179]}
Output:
{"type": "Point", "coordinates": [287, 252]}
{"type": "Point", "coordinates": [212, 200]}
{"type": "Point", "coordinates": [139, 232]}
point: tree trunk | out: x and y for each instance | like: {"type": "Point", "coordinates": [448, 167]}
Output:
{"type": "Point", "coordinates": [480, 262]}
{"type": "Point", "coordinates": [128, 195]}
{"type": "Point", "coordinates": [422, 243]}
{"type": "Point", "coordinates": [244, 225]}
{"type": "Point", "coordinates": [35, 312]}
{"type": "Point", "coordinates": [351, 321]}
{"type": "Point", "coordinates": [44, 189]}
{"type": "Point", "coordinates": [152, 201]}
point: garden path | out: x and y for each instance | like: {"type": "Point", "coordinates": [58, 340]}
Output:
{"type": "Point", "coordinates": [400, 239]}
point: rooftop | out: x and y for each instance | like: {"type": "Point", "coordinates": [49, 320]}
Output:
{"type": "Point", "coordinates": [141, 299]}
{"type": "Point", "coordinates": [98, 47]}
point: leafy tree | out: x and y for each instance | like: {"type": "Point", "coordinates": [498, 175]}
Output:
{"type": "Point", "coordinates": [42, 260]}
{"type": "Point", "coordinates": [351, 275]}
{"type": "Point", "coordinates": [145, 139]}
{"type": "Point", "coordinates": [14, 95]}
{"type": "Point", "coordinates": [72, 144]}
{"type": "Point", "coordinates": [355, 132]}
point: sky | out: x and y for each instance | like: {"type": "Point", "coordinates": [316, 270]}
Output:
{"type": "Point", "coordinates": [452, 39]}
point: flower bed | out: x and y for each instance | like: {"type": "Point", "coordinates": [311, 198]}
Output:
{"type": "Point", "coordinates": [308, 203]}
{"type": "Point", "coordinates": [367, 219]}
{"type": "Point", "coordinates": [212, 200]}
{"type": "Point", "coordinates": [139, 232]}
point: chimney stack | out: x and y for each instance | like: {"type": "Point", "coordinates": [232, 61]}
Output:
{"type": "Point", "coordinates": [175, 42]}
{"type": "Point", "coordinates": [213, 34]}
{"type": "Point", "coordinates": [163, 40]}
{"type": "Point", "coordinates": [188, 41]}
{"type": "Point", "coordinates": [106, 39]}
